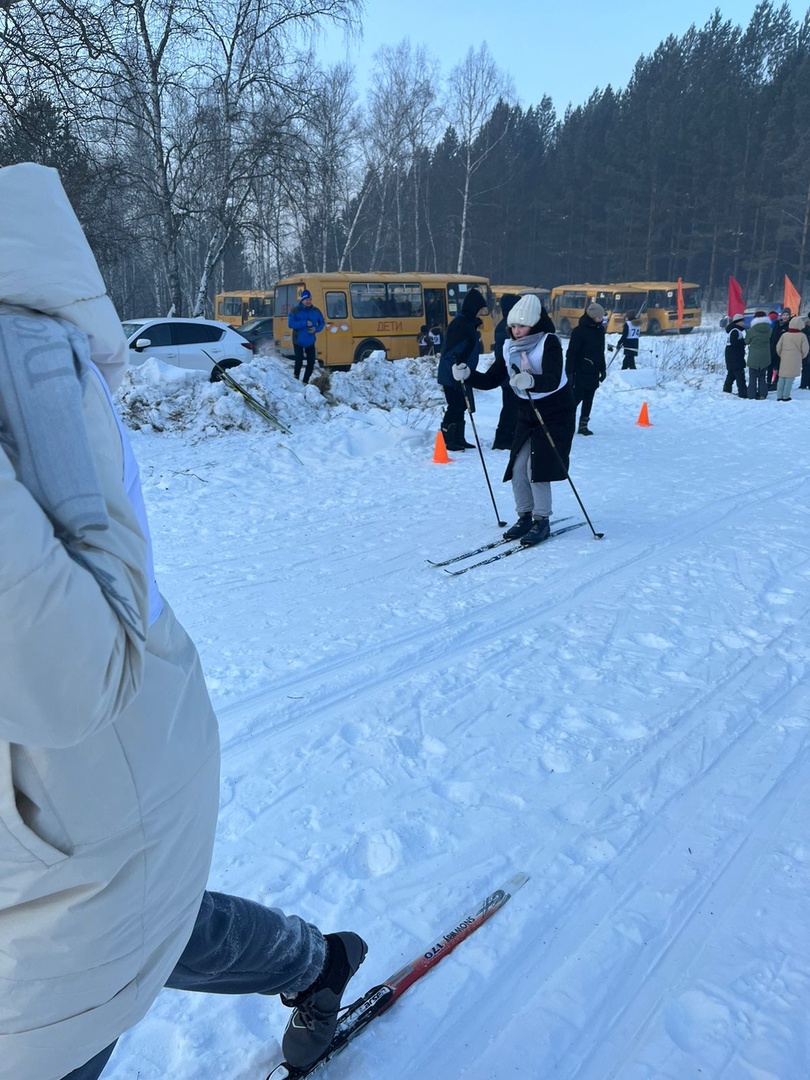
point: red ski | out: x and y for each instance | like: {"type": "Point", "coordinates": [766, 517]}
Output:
{"type": "Point", "coordinates": [380, 998]}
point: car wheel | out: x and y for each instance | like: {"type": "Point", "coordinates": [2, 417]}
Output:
{"type": "Point", "coordinates": [222, 365]}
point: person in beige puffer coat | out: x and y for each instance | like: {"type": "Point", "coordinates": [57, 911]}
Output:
{"type": "Point", "coordinates": [109, 751]}
{"type": "Point", "coordinates": [792, 347]}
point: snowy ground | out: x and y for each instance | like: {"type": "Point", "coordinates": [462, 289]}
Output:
{"type": "Point", "coordinates": [626, 720]}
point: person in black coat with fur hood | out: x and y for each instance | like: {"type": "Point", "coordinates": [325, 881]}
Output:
{"type": "Point", "coordinates": [462, 345]}
{"type": "Point", "coordinates": [585, 361]}
{"type": "Point", "coordinates": [533, 361]}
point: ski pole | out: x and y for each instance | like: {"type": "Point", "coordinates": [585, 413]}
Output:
{"type": "Point", "coordinates": [468, 403]}
{"type": "Point", "coordinates": [256, 405]}
{"type": "Point", "coordinates": [553, 445]}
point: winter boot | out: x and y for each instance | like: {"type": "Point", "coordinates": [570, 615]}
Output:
{"type": "Point", "coordinates": [583, 426]}
{"type": "Point", "coordinates": [312, 1024]}
{"type": "Point", "coordinates": [463, 438]}
{"type": "Point", "coordinates": [451, 438]}
{"type": "Point", "coordinates": [520, 528]}
{"type": "Point", "coordinates": [540, 530]}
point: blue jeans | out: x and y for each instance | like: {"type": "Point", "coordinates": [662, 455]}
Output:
{"type": "Point", "coordinates": [238, 947]}
{"type": "Point", "coordinates": [783, 388]}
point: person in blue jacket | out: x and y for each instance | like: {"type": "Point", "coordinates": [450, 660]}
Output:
{"type": "Point", "coordinates": [305, 321]}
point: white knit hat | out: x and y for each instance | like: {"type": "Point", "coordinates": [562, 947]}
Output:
{"type": "Point", "coordinates": [526, 312]}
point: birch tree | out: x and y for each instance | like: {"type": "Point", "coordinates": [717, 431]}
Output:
{"type": "Point", "coordinates": [187, 82]}
{"type": "Point", "coordinates": [475, 87]}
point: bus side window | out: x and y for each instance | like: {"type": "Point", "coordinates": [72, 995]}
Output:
{"type": "Point", "coordinates": [336, 306]}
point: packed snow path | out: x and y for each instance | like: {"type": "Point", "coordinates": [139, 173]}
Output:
{"type": "Point", "coordinates": [626, 720]}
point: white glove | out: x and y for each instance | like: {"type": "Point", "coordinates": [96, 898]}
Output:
{"type": "Point", "coordinates": [461, 372]}
{"type": "Point", "coordinates": [522, 380]}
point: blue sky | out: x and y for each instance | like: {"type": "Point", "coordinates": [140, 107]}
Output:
{"type": "Point", "coordinates": [548, 48]}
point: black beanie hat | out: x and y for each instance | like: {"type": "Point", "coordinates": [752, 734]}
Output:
{"type": "Point", "coordinates": [508, 301]}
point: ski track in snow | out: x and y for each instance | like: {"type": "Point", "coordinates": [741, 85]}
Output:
{"type": "Point", "coordinates": [626, 720]}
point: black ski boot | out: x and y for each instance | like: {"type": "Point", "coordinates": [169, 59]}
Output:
{"type": "Point", "coordinates": [452, 439]}
{"type": "Point", "coordinates": [520, 528]}
{"type": "Point", "coordinates": [583, 426]}
{"type": "Point", "coordinates": [540, 530]}
{"type": "Point", "coordinates": [462, 438]}
{"type": "Point", "coordinates": [312, 1024]}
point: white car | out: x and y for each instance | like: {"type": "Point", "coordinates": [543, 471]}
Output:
{"type": "Point", "coordinates": [187, 343]}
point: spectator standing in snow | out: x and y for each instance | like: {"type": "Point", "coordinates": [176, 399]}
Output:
{"type": "Point", "coordinates": [110, 753]}
{"type": "Point", "coordinates": [779, 327]}
{"type": "Point", "coordinates": [585, 361]}
{"type": "Point", "coordinates": [462, 345]}
{"type": "Point", "coordinates": [629, 341]}
{"type": "Point", "coordinates": [792, 348]}
{"type": "Point", "coordinates": [305, 321]}
{"type": "Point", "coordinates": [533, 360]}
{"type": "Point", "coordinates": [804, 383]}
{"type": "Point", "coordinates": [735, 356]}
{"type": "Point", "coordinates": [758, 340]}
{"type": "Point", "coordinates": [505, 431]}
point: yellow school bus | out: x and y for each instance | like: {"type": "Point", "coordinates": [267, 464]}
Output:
{"type": "Point", "coordinates": [238, 306]}
{"type": "Point", "coordinates": [619, 300]}
{"type": "Point", "coordinates": [376, 312]}
{"type": "Point", "coordinates": [660, 305]}
{"type": "Point", "coordinates": [568, 304]}
{"type": "Point", "coordinates": [517, 290]}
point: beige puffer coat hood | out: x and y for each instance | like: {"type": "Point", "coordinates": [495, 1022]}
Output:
{"type": "Point", "coordinates": [109, 752]}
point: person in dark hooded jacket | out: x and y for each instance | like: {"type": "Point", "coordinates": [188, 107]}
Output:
{"type": "Point", "coordinates": [735, 356]}
{"type": "Point", "coordinates": [585, 361]}
{"type": "Point", "coordinates": [462, 345]}
{"type": "Point", "coordinates": [505, 431]}
{"type": "Point", "coordinates": [533, 360]}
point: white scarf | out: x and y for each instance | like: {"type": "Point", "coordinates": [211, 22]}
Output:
{"type": "Point", "coordinates": [530, 360]}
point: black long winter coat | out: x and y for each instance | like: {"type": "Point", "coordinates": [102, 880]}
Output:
{"type": "Point", "coordinates": [585, 359]}
{"type": "Point", "coordinates": [777, 330]}
{"type": "Point", "coordinates": [557, 410]}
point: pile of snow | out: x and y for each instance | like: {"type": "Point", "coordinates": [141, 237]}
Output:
{"type": "Point", "coordinates": [164, 398]}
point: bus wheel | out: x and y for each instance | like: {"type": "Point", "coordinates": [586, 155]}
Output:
{"type": "Point", "coordinates": [224, 364]}
{"type": "Point", "coordinates": [565, 327]}
{"type": "Point", "coordinates": [653, 326]}
{"type": "Point", "coordinates": [366, 348]}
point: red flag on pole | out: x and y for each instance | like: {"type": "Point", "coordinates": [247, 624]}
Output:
{"type": "Point", "coordinates": [791, 298]}
{"type": "Point", "coordinates": [736, 304]}
{"type": "Point", "coordinates": [680, 303]}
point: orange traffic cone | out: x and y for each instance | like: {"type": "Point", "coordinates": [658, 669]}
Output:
{"type": "Point", "coordinates": [644, 417]}
{"type": "Point", "coordinates": [440, 451]}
